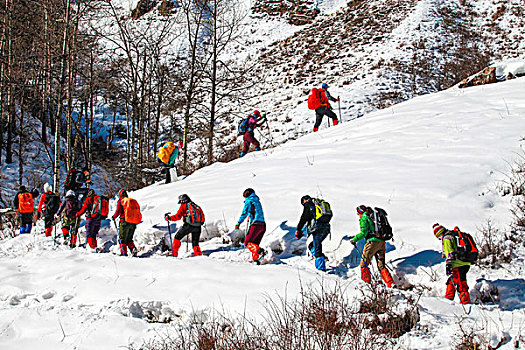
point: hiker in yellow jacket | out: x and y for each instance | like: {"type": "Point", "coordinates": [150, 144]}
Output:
{"type": "Point", "coordinates": [168, 156]}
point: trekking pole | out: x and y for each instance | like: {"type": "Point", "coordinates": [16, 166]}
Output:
{"type": "Point", "coordinates": [187, 239]}
{"type": "Point", "coordinates": [270, 133]}
{"type": "Point", "coordinates": [169, 231]}
{"type": "Point", "coordinates": [339, 105]}
{"type": "Point", "coordinates": [118, 237]}
{"type": "Point", "coordinates": [55, 239]}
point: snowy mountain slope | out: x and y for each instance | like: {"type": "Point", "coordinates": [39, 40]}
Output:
{"type": "Point", "coordinates": [435, 158]}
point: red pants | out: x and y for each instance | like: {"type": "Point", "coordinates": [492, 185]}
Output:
{"type": "Point", "coordinates": [249, 138]}
{"type": "Point", "coordinates": [458, 281]}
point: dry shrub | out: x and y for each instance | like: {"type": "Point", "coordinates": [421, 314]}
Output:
{"type": "Point", "coordinates": [494, 247]}
{"type": "Point", "coordinates": [383, 317]}
{"type": "Point", "coordinates": [320, 318]}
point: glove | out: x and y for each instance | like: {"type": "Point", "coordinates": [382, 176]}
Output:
{"type": "Point", "coordinates": [237, 226]}
{"type": "Point", "coordinates": [354, 243]}
{"type": "Point", "coordinates": [337, 100]}
{"type": "Point", "coordinates": [298, 234]}
{"type": "Point", "coordinates": [167, 216]}
{"type": "Point", "coordinates": [263, 115]}
{"type": "Point", "coordinates": [448, 270]}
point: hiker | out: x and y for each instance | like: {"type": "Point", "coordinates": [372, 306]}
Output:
{"type": "Point", "coordinates": [317, 225]}
{"type": "Point", "coordinates": [250, 123]}
{"type": "Point", "coordinates": [253, 209]}
{"type": "Point", "coordinates": [96, 209]}
{"type": "Point", "coordinates": [193, 220]}
{"type": "Point", "coordinates": [70, 222]}
{"type": "Point", "coordinates": [24, 204]}
{"type": "Point", "coordinates": [78, 181]}
{"type": "Point", "coordinates": [456, 269]}
{"type": "Point", "coordinates": [128, 210]}
{"type": "Point", "coordinates": [318, 100]}
{"type": "Point", "coordinates": [168, 156]}
{"type": "Point", "coordinates": [48, 207]}
{"type": "Point", "coordinates": [374, 246]}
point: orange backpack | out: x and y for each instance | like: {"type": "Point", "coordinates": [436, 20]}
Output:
{"type": "Point", "coordinates": [166, 151]}
{"type": "Point", "coordinates": [132, 213]}
{"type": "Point", "coordinates": [25, 203]}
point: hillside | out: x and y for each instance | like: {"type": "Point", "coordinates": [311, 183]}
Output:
{"type": "Point", "coordinates": [436, 158]}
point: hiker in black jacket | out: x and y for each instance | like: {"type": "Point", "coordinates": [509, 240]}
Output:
{"type": "Point", "coordinates": [318, 230]}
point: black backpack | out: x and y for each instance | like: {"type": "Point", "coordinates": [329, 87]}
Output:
{"type": "Point", "coordinates": [383, 230]}
{"type": "Point", "coordinates": [52, 204]}
{"type": "Point", "coordinates": [70, 182]}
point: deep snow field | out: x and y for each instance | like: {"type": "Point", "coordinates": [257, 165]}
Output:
{"type": "Point", "coordinates": [436, 158]}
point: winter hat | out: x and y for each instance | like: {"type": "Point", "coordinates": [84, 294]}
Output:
{"type": "Point", "coordinates": [361, 209]}
{"type": "Point", "coordinates": [256, 112]}
{"type": "Point", "coordinates": [305, 199]}
{"type": "Point", "coordinates": [122, 193]}
{"type": "Point", "coordinates": [70, 193]}
{"type": "Point", "coordinates": [22, 188]}
{"type": "Point", "coordinates": [184, 199]}
{"type": "Point", "coordinates": [324, 86]}
{"type": "Point", "coordinates": [180, 144]}
{"type": "Point", "coordinates": [248, 192]}
{"type": "Point", "coordinates": [438, 230]}
{"type": "Point", "coordinates": [47, 188]}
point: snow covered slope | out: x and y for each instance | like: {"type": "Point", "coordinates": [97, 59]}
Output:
{"type": "Point", "coordinates": [435, 158]}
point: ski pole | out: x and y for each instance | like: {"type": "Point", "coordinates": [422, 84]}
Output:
{"type": "Point", "coordinates": [270, 133]}
{"type": "Point", "coordinates": [339, 105]}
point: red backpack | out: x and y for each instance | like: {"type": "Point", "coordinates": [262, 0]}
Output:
{"type": "Point", "coordinates": [100, 208]}
{"type": "Point", "coordinates": [194, 215]}
{"type": "Point", "coordinates": [314, 99]}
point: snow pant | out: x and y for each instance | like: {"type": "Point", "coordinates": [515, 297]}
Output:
{"type": "Point", "coordinates": [70, 227]}
{"type": "Point", "coordinates": [458, 280]}
{"type": "Point", "coordinates": [321, 112]}
{"type": "Point", "coordinates": [253, 239]}
{"type": "Point", "coordinates": [185, 230]}
{"type": "Point", "coordinates": [316, 247]}
{"type": "Point", "coordinates": [26, 222]}
{"type": "Point", "coordinates": [377, 249]}
{"type": "Point", "coordinates": [126, 231]}
{"type": "Point", "coordinates": [249, 138]}
{"type": "Point", "coordinates": [92, 228]}
{"type": "Point", "coordinates": [49, 223]}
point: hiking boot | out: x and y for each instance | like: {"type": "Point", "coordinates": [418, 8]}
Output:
{"type": "Point", "coordinates": [316, 129]}
{"type": "Point", "coordinates": [71, 245]}
{"type": "Point", "coordinates": [336, 122]}
{"type": "Point", "coordinates": [134, 251]}
{"type": "Point", "coordinates": [262, 254]}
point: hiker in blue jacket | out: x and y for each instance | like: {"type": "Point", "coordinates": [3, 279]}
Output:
{"type": "Point", "coordinates": [253, 209]}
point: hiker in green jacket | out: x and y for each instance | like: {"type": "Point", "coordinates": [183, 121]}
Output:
{"type": "Point", "coordinates": [373, 247]}
{"type": "Point", "coordinates": [456, 269]}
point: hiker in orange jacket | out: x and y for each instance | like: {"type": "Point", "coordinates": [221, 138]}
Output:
{"type": "Point", "coordinates": [128, 210]}
{"type": "Point", "coordinates": [24, 205]}
{"type": "Point", "coordinates": [193, 220]}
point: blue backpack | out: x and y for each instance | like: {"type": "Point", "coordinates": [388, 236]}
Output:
{"type": "Point", "coordinates": [243, 126]}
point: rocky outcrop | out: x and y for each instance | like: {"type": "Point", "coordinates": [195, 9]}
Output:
{"type": "Point", "coordinates": [297, 12]}
{"type": "Point", "coordinates": [143, 7]}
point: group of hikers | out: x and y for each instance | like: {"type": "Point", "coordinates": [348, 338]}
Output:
{"type": "Point", "coordinates": [318, 100]}
{"type": "Point", "coordinates": [314, 222]}
{"type": "Point", "coordinates": [79, 199]}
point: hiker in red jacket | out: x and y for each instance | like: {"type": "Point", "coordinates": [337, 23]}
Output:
{"type": "Point", "coordinates": [93, 217]}
{"type": "Point", "coordinates": [48, 207]}
{"type": "Point", "coordinates": [254, 120]}
{"type": "Point", "coordinates": [325, 108]}
{"type": "Point", "coordinates": [193, 220]}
